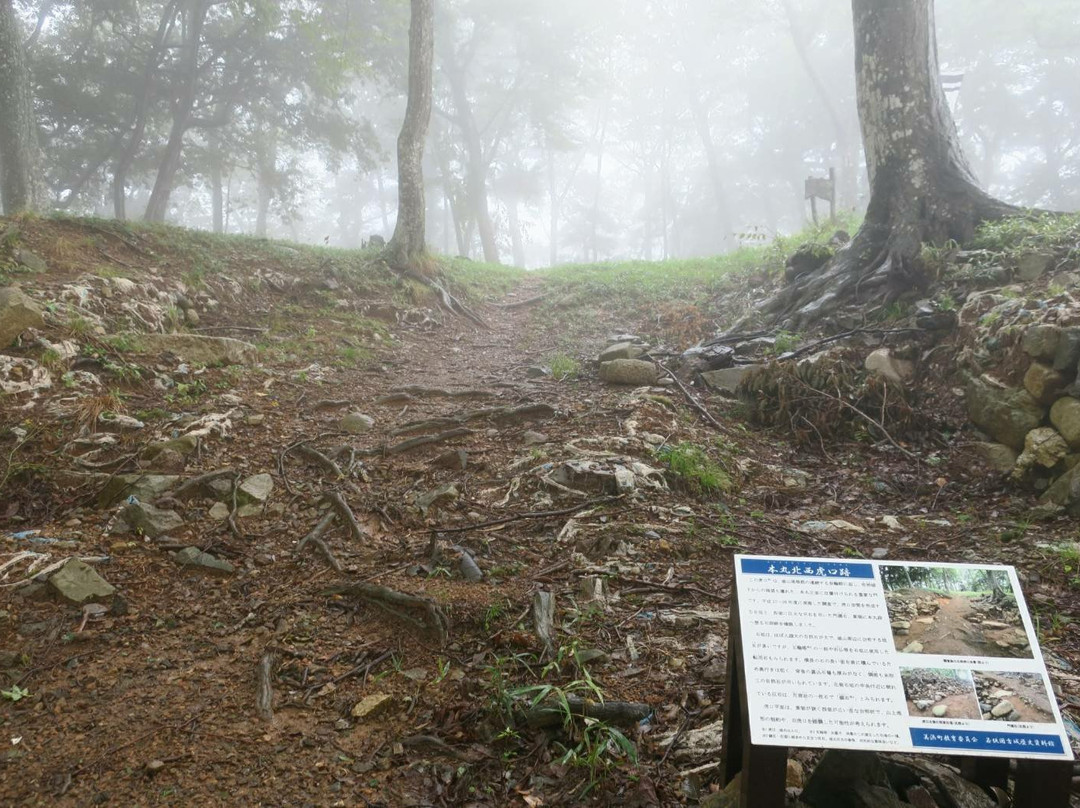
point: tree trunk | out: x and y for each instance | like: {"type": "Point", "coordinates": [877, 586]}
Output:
{"type": "Point", "coordinates": [553, 195]}
{"type": "Point", "coordinates": [476, 165]}
{"type": "Point", "coordinates": [921, 187]}
{"type": "Point", "coordinates": [716, 177]}
{"type": "Point", "coordinates": [19, 185]}
{"type": "Point", "coordinates": [158, 205]}
{"type": "Point", "coordinates": [516, 241]}
{"type": "Point", "coordinates": [266, 169]}
{"type": "Point", "coordinates": [407, 244]}
{"type": "Point", "coordinates": [217, 192]}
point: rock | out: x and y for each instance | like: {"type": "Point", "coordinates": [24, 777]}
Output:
{"type": "Point", "coordinates": [728, 798]}
{"type": "Point", "coordinates": [140, 486]}
{"type": "Point", "coordinates": [1044, 383]}
{"type": "Point", "coordinates": [455, 459]}
{"type": "Point", "coordinates": [1065, 492]}
{"type": "Point", "coordinates": [78, 582]}
{"type": "Point", "coordinates": [1065, 416]}
{"type": "Point", "coordinates": [536, 372]}
{"type": "Point", "coordinates": [356, 423]}
{"type": "Point", "coordinates": [1041, 341]}
{"type": "Point", "coordinates": [17, 313]}
{"type": "Point", "coordinates": [727, 380]}
{"type": "Point", "coordinates": [194, 557]}
{"type": "Point", "coordinates": [372, 706]}
{"type": "Point", "coordinates": [1005, 413]}
{"type": "Point", "coordinates": [195, 348]}
{"type": "Point", "coordinates": [883, 363]}
{"type": "Point", "coordinates": [220, 511]}
{"type": "Point", "coordinates": [1033, 265]}
{"type": "Point", "coordinates": [795, 776]}
{"type": "Point", "coordinates": [1042, 447]}
{"type": "Point", "coordinates": [912, 648]}
{"type": "Point", "coordinates": [29, 260]}
{"type": "Point", "coordinates": [879, 553]}
{"type": "Point", "coordinates": [628, 371]}
{"type": "Point", "coordinates": [1002, 708]}
{"type": "Point", "coordinates": [923, 704]}
{"type": "Point", "coordinates": [838, 773]}
{"type": "Point", "coordinates": [936, 320]}
{"type": "Point", "coordinates": [184, 445]}
{"type": "Point", "coordinates": [940, 711]}
{"type": "Point", "coordinates": [708, 357]}
{"type": "Point", "coordinates": [118, 422]}
{"type": "Point", "coordinates": [444, 493]}
{"type": "Point", "coordinates": [997, 456]}
{"type": "Point", "coordinates": [901, 624]}
{"type": "Point", "coordinates": [1067, 355]}
{"type": "Point", "coordinates": [191, 317]}
{"type": "Point", "coordinates": [256, 488]}
{"type": "Point", "coordinates": [622, 350]}
{"type": "Point", "coordinates": [144, 518]}
{"type": "Point", "coordinates": [531, 438]}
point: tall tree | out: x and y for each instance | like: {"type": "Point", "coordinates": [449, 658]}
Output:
{"type": "Point", "coordinates": [921, 186]}
{"type": "Point", "coordinates": [407, 244]}
{"type": "Point", "coordinates": [18, 130]}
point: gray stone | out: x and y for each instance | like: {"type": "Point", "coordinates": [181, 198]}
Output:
{"type": "Point", "coordinates": [140, 486]}
{"type": "Point", "coordinates": [194, 557]}
{"type": "Point", "coordinates": [1065, 492]}
{"type": "Point", "coordinates": [912, 648]}
{"type": "Point", "coordinates": [998, 456]}
{"type": "Point", "coordinates": [882, 363]}
{"type": "Point", "coordinates": [1043, 447]}
{"type": "Point", "coordinates": [531, 438]}
{"type": "Point", "coordinates": [1044, 383]}
{"type": "Point", "coordinates": [30, 260]}
{"type": "Point", "coordinates": [1065, 416]}
{"type": "Point", "coordinates": [256, 488]}
{"type": "Point", "coordinates": [621, 350]}
{"type": "Point", "coordinates": [923, 704]}
{"type": "Point", "coordinates": [1067, 355]}
{"type": "Point", "coordinates": [1033, 265]}
{"type": "Point", "coordinates": [78, 582]}
{"type": "Point", "coordinates": [356, 423]}
{"type": "Point", "coordinates": [220, 511]}
{"type": "Point", "coordinates": [454, 459]}
{"type": "Point", "coordinates": [1041, 341]}
{"type": "Point", "coordinates": [184, 445]}
{"type": "Point", "coordinates": [628, 371]}
{"type": "Point", "coordinates": [879, 553]}
{"type": "Point", "coordinates": [144, 518]}
{"type": "Point", "coordinates": [727, 380]}
{"type": "Point", "coordinates": [191, 317]}
{"type": "Point", "coordinates": [195, 348]}
{"type": "Point", "coordinates": [941, 711]}
{"type": "Point", "coordinates": [444, 493]}
{"type": "Point", "coordinates": [1005, 413]}
{"type": "Point", "coordinates": [372, 706]}
{"type": "Point", "coordinates": [17, 313]}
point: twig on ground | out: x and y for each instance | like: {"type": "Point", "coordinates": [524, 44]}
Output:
{"type": "Point", "coordinates": [520, 516]}
{"type": "Point", "coordinates": [315, 537]}
{"type": "Point", "coordinates": [388, 598]}
{"type": "Point", "coordinates": [697, 405]}
{"type": "Point", "coordinates": [264, 690]}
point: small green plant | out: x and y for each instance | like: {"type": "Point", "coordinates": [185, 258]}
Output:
{"type": "Point", "coordinates": [15, 693]}
{"type": "Point", "coordinates": [785, 342]}
{"type": "Point", "coordinates": [946, 302]}
{"type": "Point", "coordinates": [443, 666]}
{"type": "Point", "coordinates": [693, 467]}
{"type": "Point", "coordinates": [563, 367]}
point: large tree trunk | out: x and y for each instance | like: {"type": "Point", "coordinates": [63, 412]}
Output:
{"type": "Point", "coordinates": [19, 185]}
{"type": "Point", "coordinates": [716, 176]}
{"type": "Point", "coordinates": [407, 244]}
{"type": "Point", "coordinates": [266, 171]}
{"type": "Point", "coordinates": [158, 204]}
{"type": "Point", "coordinates": [921, 187]}
{"type": "Point", "coordinates": [517, 242]}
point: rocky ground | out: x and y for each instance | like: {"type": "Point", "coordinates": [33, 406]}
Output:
{"type": "Point", "coordinates": [276, 529]}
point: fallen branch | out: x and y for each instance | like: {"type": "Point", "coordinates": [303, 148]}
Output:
{"type": "Point", "coordinates": [520, 304]}
{"type": "Point", "coordinates": [554, 714]}
{"type": "Point", "coordinates": [341, 507]}
{"type": "Point", "coordinates": [814, 347]}
{"type": "Point", "coordinates": [264, 691]}
{"type": "Point", "coordinates": [697, 405]}
{"type": "Point", "coordinates": [423, 440]}
{"type": "Point", "coordinates": [387, 599]}
{"type": "Point", "coordinates": [196, 483]}
{"type": "Point", "coordinates": [311, 453]}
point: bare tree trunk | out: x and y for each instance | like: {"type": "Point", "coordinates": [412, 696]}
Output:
{"type": "Point", "coordinates": [158, 205]}
{"type": "Point", "coordinates": [19, 183]}
{"type": "Point", "coordinates": [266, 169]}
{"type": "Point", "coordinates": [217, 193]}
{"type": "Point", "coordinates": [553, 196]}
{"type": "Point", "coordinates": [716, 178]}
{"type": "Point", "coordinates": [921, 187]}
{"type": "Point", "coordinates": [383, 212]}
{"type": "Point", "coordinates": [407, 244]}
{"type": "Point", "coordinates": [516, 241]}
{"type": "Point", "coordinates": [599, 186]}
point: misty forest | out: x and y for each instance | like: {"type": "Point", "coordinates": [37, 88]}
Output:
{"type": "Point", "coordinates": [386, 386]}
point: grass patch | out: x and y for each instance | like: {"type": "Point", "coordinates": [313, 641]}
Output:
{"type": "Point", "coordinates": [695, 469]}
{"type": "Point", "coordinates": [563, 367]}
{"type": "Point", "coordinates": [1042, 231]}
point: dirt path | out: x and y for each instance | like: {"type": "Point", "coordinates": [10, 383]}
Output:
{"type": "Point", "coordinates": [949, 631]}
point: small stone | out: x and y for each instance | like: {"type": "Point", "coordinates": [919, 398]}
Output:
{"type": "Point", "coordinates": [628, 371]}
{"type": "Point", "coordinates": [795, 776]}
{"type": "Point", "coordinates": [1044, 383]}
{"type": "Point", "coordinates": [220, 511]}
{"type": "Point", "coordinates": [621, 350]}
{"type": "Point", "coordinates": [191, 317]}
{"type": "Point", "coordinates": [901, 624]}
{"type": "Point", "coordinates": [1002, 708]}
{"type": "Point", "coordinates": [1041, 341]}
{"type": "Point", "coordinates": [1065, 416]}
{"type": "Point", "coordinates": [144, 518]}
{"type": "Point", "coordinates": [941, 711]}
{"type": "Point", "coordinates": [118, 422]}
{"type": "Point", "coordinates": [912, 648]}
{"type": "Point", "coordinates": [372, 706]}
{"type": "Point", "coordinates": [883, 363]}
{"type": "Point", "coordinates": [78, 582]}
{"type": "Point", "coordinates": [923, 704]}
{"type": "Point", "coordinates": [455, 459]}
{"type": "Point", "coordinates": [255, 420]}
{"type": "Point", "coordinates": [1033, 265]}
{"type": "Point", "coordinates": [194, 557]}
{"type": "Point", "coordinates": [879, 553]}
{"type": "Point", "coordinates": [256, 488]}
{"type": "Point", "coordinates": [154, 766]}
{"type": "Point", "coordinates": [727, 380]}
{"type": "Point", "coordinates": [356, 423]}
{"type": "Point", "coordinates": [997, 456]}
{"type": "Point", "coordinates": [531, 438]}
{"type": "Point", "coordinates": [444, 493]}
{"type": "Point", "coordinates": [17, 313]}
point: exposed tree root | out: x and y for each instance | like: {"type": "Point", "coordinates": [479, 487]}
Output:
{"type": "Point", "coordinates": [315, 537]}
{"type": "Point", "coordinates": [264, 690]}
{"type": "Point", "coordinates": [394, 602]}
{"type": "Point", "coordinates": [341, 507]}
{"type": "Point", "coordinates": [554, 714]}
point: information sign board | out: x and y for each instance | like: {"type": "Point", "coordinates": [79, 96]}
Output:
{"type": "Point", "coordinates": [893, 657]}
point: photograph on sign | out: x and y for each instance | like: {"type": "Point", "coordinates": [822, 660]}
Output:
{"type": "Point", "coordinates": [954, 610]}
{"type": "Point", "coordinates": [893, 656]}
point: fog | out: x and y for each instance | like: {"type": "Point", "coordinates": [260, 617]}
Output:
{"type": "Point", "coordinates": [574, 131]}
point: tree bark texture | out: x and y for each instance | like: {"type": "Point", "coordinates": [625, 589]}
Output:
{"type": "Point", "coordinates": [407, 243]}
{"type": "Point", "coordinates": [19, 186]}
{"type": "Point", "coordinates": [921, 186]}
